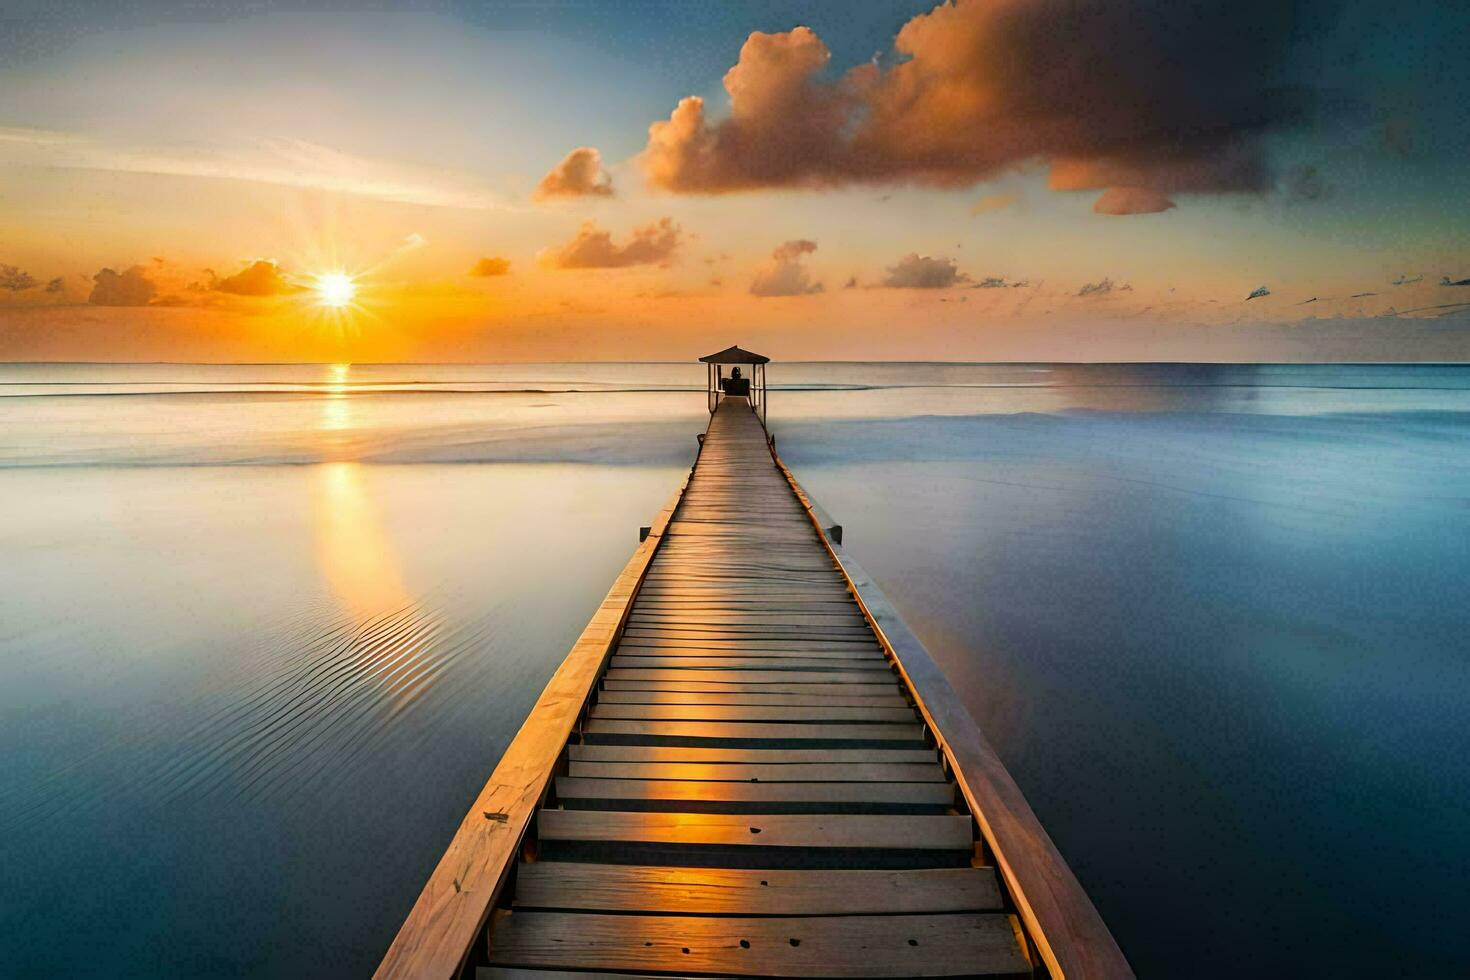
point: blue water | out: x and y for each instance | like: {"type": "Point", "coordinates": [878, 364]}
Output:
{"type": "Point", "coordinates": [265, 629]}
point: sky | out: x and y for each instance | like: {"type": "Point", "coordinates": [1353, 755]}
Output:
{"type": "Point", "coordinates": [1236, 180]}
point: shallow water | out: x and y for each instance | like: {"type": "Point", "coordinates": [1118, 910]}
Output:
{"type": "Point", "coordinates": [264, 631]}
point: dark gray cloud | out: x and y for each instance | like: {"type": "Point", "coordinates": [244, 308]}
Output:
{"type": "Point", "coordinates": [1132, 200]}
{"type": "Point", "coordinates": [489, 266]}
{"type": "Point", "coordinates": [260, 278]}
{"type": "Point", "coordinates": [131, 287]}
{"type": "Point", "coordinates": [579, 174]}
{"type": "Point", "coordinates": [915, 271]}
{"type": "Point", "coordinates": [1155, 94]}
{"type": "Point", "coordinates": [787, 274]}
{"type": "Point", "coordinates": [655, 243]}
{"type": "Point", "coordinates": [15, 279]}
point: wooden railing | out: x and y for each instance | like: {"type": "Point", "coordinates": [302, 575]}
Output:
{"type": "Point", "coordinates": [1069, 935]}
{"type": "Point", "coordinates": [448, 920]}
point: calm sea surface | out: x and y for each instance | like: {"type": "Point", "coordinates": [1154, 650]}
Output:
{"type": "Point", "coordinates": [265, 630]}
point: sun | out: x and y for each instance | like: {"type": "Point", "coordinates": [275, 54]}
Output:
{"type": "Point", "coordinates": [334, 289]}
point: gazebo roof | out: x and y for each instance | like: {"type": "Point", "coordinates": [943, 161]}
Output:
{"type": "Point", "coordinates": [734, 355]}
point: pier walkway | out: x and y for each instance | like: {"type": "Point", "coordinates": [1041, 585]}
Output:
{"type": "Point", "coordinates": [746, 781]}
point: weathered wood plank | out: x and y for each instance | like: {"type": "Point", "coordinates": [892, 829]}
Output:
{"type": "Point", "coordinates": [802, 688]}
{"type": "Point", "coordinates": [896, 772]}
{"type": "Point", "coordinates": [847, 831]}
{"type": "Point", "coordinates": [950, 944]}
{"type": "Point", "coordinates": [883, 677]}
{"type": "Point", "coordinates": [864, 645]}
{"type": "Point", "coordinates": [671, 793]}
{"type": "Point", "coordinates": [717, 712]}
{"type": "Point", "coordinates": [743, 646]}
{"type": "Point", "coordinates": [884, 700]}
{"type": "Point", "coordinates": [634, 660]}
{"type": "Point", "coordinates": [605, 728]}
{"type": "Point", "coordinates": [735, 891]}
{"type": "Point", "coordinates": [737, 625]}
{"type": "Point", "coordinates": [724, 754]}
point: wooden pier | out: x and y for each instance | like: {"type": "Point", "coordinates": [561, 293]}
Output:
{"type": "Point", "coordinates": [747, 766]}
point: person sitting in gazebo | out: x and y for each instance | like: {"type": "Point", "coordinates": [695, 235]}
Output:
{"type": "Point", "coordinates": [735, 384]}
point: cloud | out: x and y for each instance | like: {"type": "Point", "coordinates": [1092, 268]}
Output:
{"type": "Point", "coordinates": [1172, 96]}
{"type": "Point", "coordinates": [280, 161]}
{"type": "Point", "coordinates": [787, 275]}
{"type": "Point", "coordinates": [490, 266]}
{"type": "Point", "coordinates": [579, 174]}
{"type": "Point", "coordinates": [260, 278]}
{"type": "Point", "coordinates": [652, 244]}
{"type": "Point", "coordinates": [15, 279]}
{"type": "Point", "coordinates": [1234, 167]}
{"type": "Point", "coordinates": [1132, 200]}
{"type": "Point", "coordinates": [131, 287]}
{"type": "Point", "coordinates": [915, 271]}
{"type": "Point", "coordinates": [991, 203]}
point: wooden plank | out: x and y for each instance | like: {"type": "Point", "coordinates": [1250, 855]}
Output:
{"type": "Point", "coordinates": [883, 677]}
{"type": "Point", "coordinates": [740, 644]}
{"type": "Point", "coordinates": [722, 687]}
{"type": "Point", "coordinates": [846, 831]}
{"type": "Point", "coordinates": [948, 944]}
{"type": "Point", "coordinates": [752, 712]}
{"type": "Point", "coordinates": [742, 624]}
{"type": "Point", "coordinates": [450, 913]}
{"type": "Point", "coordinates": [716, 604]}
{"type": "Point", "coordinates": [698, 625]}
{"type": "Point", "coordinates": [807, 640]}
{"type": "Point", "coordinates": [738, 891]}
{"type": "Point", "coordinates": [885, 700]}
{"type": "Point", "coordinates": [668, 793]}
{"type": "Point", "coordinates": [515, 973]}
{"type": "Point", "coordinates": [724, 754]}
{"type": "Point", "coordinates": [625, 660]}
{"type": "Point", "coordinates": [872, 658]}
{"type": "Point", "coordinates": [895, 772]}
{"type": "Point", "coordinates": [596, 729]}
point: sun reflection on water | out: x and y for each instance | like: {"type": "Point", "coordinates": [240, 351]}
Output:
{"type": "Point", "coordinates": [337, 401]}
{"type": "Point", "coordinates": [352, 550]}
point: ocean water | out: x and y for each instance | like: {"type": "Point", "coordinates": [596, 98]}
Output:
{"type": "Point", "coordinates": [264, 631]}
